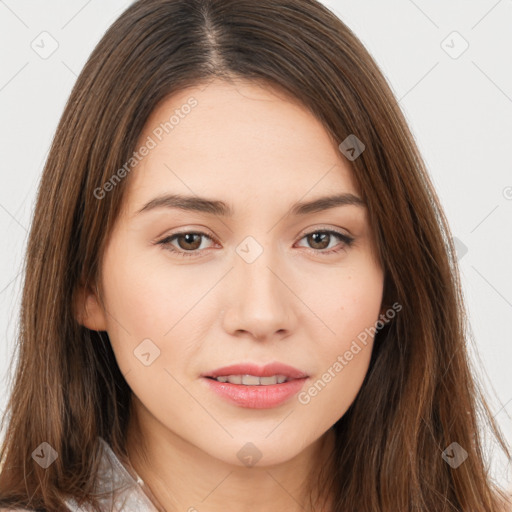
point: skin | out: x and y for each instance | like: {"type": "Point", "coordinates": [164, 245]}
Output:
{"type": "Point", "coordinates": [259, 151]}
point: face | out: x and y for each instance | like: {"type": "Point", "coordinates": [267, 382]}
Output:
{"type": "Point", "coordinates": [192, 286]}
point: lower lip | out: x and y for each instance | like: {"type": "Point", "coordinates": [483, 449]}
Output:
{"type": "Point", "coordinates": [256, 397]}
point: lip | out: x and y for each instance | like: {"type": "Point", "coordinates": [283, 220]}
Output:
{"type": "Point", "coordinates": [256, 397]}
{"type": "Point", "coordinates": [259, 371]}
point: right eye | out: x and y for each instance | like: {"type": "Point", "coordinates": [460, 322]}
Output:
{"type": "Point", "coordinates": [189, 246]}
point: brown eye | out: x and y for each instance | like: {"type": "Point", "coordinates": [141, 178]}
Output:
{"type": "Point", "coordinates": [320, 240]}
{"type": "Point", "coordinates": [188, 243]}
{"type": "Point", "coordinates": [191, 241]}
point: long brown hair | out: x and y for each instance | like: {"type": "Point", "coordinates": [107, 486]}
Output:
{"type": "Point", "coordinates": [420, 393]}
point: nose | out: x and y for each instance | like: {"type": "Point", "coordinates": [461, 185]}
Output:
{"type": "Point", "coordinates": [259, 301]}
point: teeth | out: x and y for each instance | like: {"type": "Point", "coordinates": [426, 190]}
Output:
{"type": "Point", "coordinates": [252, 380]}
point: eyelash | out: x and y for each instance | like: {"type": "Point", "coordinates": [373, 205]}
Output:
{"type": "Point", "coordinates": [166, 242]}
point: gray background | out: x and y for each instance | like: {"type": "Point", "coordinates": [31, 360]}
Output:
{"type": "Point", "coordinates": [458, 104]}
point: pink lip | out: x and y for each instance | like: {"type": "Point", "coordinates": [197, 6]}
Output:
{"type": "Point", "coordinates": [259, 371]}
{"type": "Point", "coordinates": [257, 397]}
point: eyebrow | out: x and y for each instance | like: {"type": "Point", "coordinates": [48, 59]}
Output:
{"type": "Point", "coordinates": [220, 208]}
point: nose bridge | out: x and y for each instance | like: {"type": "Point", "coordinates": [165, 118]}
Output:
{"type": "Point", "coordinates": [256, 266]}
{"type": "Point", "coordinates": [259, 301]}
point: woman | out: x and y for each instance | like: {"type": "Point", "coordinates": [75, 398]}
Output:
{"type": "Point", "coordinates": [240, 290]}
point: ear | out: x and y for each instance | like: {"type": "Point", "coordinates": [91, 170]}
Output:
{"type": "Point", "coordinates": [88, 310]}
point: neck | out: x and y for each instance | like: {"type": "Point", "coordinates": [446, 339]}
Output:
{"type": "Point", "coordinates": [180, 476]}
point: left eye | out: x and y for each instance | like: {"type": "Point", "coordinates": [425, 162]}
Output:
{"type": "Point", "coordinates": [318, 239]}
{"type": "Point", "coordinates": [190, 242]}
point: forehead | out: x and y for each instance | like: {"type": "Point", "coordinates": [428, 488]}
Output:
{"type": "Point", "coordinates": [223, 138]}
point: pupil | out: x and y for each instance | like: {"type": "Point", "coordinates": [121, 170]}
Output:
{"type": "Point", "coordinates": [188, 241]}
{"type": "Point", "coordinates": [317, 239]}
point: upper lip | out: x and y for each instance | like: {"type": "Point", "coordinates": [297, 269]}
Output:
{"type": "Point", "coordinates": [267, 370]}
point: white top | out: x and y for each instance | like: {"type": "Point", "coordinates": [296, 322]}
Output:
{"type": "Point", "coordinates": [123, 493]}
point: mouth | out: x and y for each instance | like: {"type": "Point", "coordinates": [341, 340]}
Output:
{"type": "Point", "coordinates": [252, 380]}
{"type": "Point", "coordinates": [256, 387]}
{"type": "Point", "coordinates": [252, 370]}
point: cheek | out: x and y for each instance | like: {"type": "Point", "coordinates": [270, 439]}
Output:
{"type": "Point", "coordinates": [347, 300]}
{"type": "Point", "coordinates": [143, 292]}
{"type": "Point", "coordinates": [149, 299]}
{"type": "Point", "coordinates": [349, 306]}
